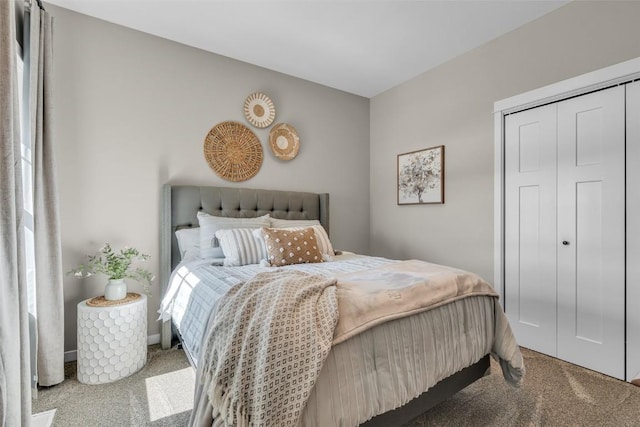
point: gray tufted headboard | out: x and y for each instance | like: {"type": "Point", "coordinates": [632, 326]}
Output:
{"type": "Point", "coordinates": [181, 203]}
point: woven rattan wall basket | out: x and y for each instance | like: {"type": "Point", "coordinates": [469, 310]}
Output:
{"type": "Point", "coordinates": [233, 151]}
{"type": "Point", "coordinates": [259, 110]}
{"type": "Point", "coordinates": [284, 141]}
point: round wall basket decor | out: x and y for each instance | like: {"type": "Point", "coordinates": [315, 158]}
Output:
{"type": "Point", "coordinates": [233, 151]}
{"type": "Point", "coordinates": [259, 110]}
{"type": "Point", "coordinates": [284, 141]}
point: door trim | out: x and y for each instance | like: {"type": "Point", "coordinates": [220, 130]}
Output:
{"type": "Point", "coordinates": [633, 229]}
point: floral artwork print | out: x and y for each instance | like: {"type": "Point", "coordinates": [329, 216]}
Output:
{"type": "Point", "coordinates": [420, 176]}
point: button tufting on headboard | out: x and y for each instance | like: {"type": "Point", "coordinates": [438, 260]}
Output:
{"type": "Point", "coordinates": [184, 202]}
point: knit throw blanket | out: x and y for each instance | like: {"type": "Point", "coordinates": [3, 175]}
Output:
{"type": "Point", "coordinates": [267, 342]}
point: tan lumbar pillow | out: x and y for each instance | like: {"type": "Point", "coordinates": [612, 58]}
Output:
{"type": "Point", "coordinates": [287, 247]}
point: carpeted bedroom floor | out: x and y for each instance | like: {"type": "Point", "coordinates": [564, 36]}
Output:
{"type": "Point", "coordinates": [554, 393]}
{"type": "Point", "coordinates": [160, 394]}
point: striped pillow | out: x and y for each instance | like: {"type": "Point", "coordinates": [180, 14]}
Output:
{"type": "Point", "coordinates": [241, 247]}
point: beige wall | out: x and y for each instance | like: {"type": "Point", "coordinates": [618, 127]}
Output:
{"type": "Point", "coordinates": [131, 114]}
{"type": "Point", "coordinates": [132, 111]}
{"type": "Point", "coordinates": [453, 105]}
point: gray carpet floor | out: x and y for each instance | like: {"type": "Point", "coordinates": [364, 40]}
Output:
{"type": "Point", "coordinates": [160, 394]}
{"type": "Point", "coordinates": [555, 393]}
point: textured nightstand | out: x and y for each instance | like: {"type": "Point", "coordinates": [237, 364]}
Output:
{"type": "Point", "coordinates": [112, 341]}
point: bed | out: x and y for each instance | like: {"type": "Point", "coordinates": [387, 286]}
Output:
{"type": "Point", "coordinates": [383, 376]}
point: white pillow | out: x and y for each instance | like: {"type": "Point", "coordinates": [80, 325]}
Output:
{"type": "Point", "coordinates": [209, 224]}
{"type": "Point", "coordinates": [188, 241]}
{"type": "Point", "coordinates": [241, 246]}
{"type": "Point", "coordinates": [287, 223]}
{"type": "Point", "coordinates": [322, 238]}
{"type": "Point", "coordinates": [193, 254]}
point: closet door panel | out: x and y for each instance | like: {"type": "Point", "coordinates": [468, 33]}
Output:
{"type": "Point", "coordinates": [530, 227]}
{"type": "Point", "coordinates": [591, 230]}
{"type": "Point", "coordinates": [589, 318]}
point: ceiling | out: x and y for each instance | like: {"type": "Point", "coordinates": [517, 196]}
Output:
{"type": "Point", "coordinates": [358, 46]}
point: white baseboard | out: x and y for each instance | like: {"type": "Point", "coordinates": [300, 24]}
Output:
{"type": "Point", "coordinates": [70, 356]}
{"type": "Point", "coordinates": [153, 339]}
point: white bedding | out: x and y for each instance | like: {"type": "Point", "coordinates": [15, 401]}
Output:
{"type": "Point", "coordinates": [194, 287]}
{"type": "Point", "coordinates": [373, 372]}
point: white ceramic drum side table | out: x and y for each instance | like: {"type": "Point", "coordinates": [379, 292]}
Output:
{"type": "Point", "coordinates": [112, 341]}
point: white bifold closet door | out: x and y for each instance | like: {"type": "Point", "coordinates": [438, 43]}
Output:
{"type": "Point", "coordinates": [565, 229]}
{"type": "Point", "coordinates": [530, 227]}
{"type": "Point", "coordinates": [591, 220]}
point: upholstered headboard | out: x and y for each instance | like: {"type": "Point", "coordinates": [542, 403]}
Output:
{"type": "Point", "coordinates": [181, 204]}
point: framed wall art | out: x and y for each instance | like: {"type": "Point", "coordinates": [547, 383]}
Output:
{"type": "Point", "coordinates": [421, 176]}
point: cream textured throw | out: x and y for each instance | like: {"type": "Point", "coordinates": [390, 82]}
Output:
{"type": "Point", "coordinates": [267, 343]}
{"type": "Point", "coordinates": [370, 297]}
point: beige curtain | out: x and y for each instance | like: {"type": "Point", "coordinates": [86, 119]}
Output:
{"type": "Point", "coordinates": [48, 259]}
{"type": "Point", "coordinates": [15, 388]}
